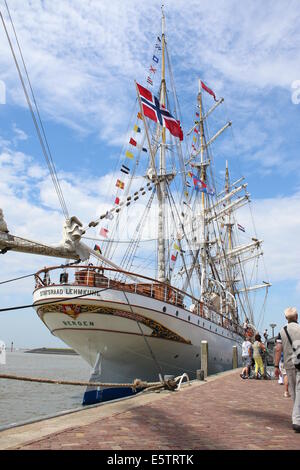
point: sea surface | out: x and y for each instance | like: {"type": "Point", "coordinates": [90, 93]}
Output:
{"type": "Point", "coordinates": [26, 401]}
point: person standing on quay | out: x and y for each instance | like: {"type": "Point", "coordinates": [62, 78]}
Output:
{"type": "Point", "coordinates": [258, 349]}
{"type": "Point", "coordinates": [246, 358]}
{"type": "Point", "coordinates": [293, 329]}
{"type": "Point", "coordinates": [283, 379]}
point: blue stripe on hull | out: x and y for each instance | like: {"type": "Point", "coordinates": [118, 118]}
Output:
{"type": "Point", "coordinates": [92, 397]}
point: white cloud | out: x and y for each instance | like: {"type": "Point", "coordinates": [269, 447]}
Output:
{"type": "Point", "coordinates": [19, 134]}
{"type": "Point", "coordinates": [277, 223]}
{"type": "Point", "coordinates": [83, 57]}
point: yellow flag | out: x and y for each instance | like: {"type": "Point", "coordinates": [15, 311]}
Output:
{"type": "Point", "coordinates": [129, 154]}
{"type": "Point", "coordinates": [176, 247]}
{"type": "Point", "coordinates": [194, 138]}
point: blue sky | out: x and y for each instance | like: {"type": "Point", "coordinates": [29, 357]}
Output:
{"type": "Point", "coordinates": [83, 58]}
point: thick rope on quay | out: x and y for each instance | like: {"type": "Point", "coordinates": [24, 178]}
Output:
{"type": "Point", "coordinates": [170, 384]}
{"type": "Point", "coordinates": [136, 384]}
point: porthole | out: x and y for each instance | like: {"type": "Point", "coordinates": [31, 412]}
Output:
{"type": "Point", "coordinates": [164, 309]}
{"type": "Point", "coordinates": [189, 318]}
{"type": "Point", "coordinates": [177, 313]}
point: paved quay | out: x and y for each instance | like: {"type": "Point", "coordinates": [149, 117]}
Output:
{"type": "Point", "coordinates": [224, 412]}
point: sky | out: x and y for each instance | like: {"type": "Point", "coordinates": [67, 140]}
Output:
{"type": "Point", "coordinates": [83, 58]}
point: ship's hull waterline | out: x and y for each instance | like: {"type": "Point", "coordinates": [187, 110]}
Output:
{"type": "Point", "coordinates": [130, 330]}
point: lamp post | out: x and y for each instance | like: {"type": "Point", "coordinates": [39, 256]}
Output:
{"type": "Point", "coordinates": [273, 325]}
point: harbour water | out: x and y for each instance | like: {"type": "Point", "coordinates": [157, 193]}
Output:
{"type": "Point", "coordinates": [26, 401]}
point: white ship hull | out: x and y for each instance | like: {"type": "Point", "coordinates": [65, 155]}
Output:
{"type": "Point", "coordinates": [123, 327]}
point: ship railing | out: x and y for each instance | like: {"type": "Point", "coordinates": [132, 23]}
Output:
{"type": "Point", "coordinates": [109, 278]}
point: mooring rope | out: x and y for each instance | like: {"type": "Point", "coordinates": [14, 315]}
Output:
{"type": "Point", "coordinates": [170, 384]}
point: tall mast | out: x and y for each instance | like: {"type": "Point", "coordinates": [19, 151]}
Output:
{"type": "Point", "coordinates": [203, 178]}
{"type": "Point", "coordinates": [229, 226]}
{"type": "Point", "coordinates": [161, 187]}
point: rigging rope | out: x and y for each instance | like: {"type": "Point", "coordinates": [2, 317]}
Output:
{"type": "Point", "coordinates": [170, 197]}
{"type": "Point", "coordinates": [42, 138]}
{"type": "Point", "coordinates": [128, 257]}
{"type": "Point", "coordinates": [62, 266]}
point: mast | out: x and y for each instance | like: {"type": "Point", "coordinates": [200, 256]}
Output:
{"type": "Point", "coordinates": [202, 213]}
{"type": "Point", "coordinates": [229, 226]}
{"type": "Point", "coordinates": [161, 186]}
{"type": "Point", "coordinates": [229, 230]}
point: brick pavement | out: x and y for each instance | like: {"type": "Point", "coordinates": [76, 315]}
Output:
{"type": "Point", "coordinates": [225, 413]}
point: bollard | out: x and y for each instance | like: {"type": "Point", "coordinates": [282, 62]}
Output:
{"type": "Point", "coordinates": [169, 377]}
{"type": "Point", "coordinates": [204, 357]}
{"type": "Point", "coordinates": [234, 357]}
{"type": "Point", "coordinates": [199, 374]}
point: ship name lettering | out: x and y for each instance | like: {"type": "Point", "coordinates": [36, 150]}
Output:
{"type": "Point", "coordinates": [70, 291]}
{"type": "Point", "coordinates": [58, 291]}
{"type": "Point", "coordinates": [51, 292]}
{"type": "Point", "coordinates": [77, 323]}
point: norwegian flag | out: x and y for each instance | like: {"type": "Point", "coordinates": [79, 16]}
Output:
{"type": "Point", "coordinates": [156, 112]}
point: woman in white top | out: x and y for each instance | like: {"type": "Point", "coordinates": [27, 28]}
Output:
{"type": "Point", "coordinates": [246, 358]}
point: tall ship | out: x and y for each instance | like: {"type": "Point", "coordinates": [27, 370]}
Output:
{"type": "Point", "coordinates": [163, 268]}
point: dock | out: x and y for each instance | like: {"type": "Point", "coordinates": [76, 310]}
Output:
{"type": "Point", "coordinates": [223, 412]}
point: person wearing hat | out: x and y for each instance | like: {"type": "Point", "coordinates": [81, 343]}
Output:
{"type": "Point", "coordinates": [292, 329]}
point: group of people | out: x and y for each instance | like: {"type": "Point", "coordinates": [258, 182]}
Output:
{"type": "Point", "coordinates": [252, 355]}
{"type": "Point", "coordinates": [286, 360]}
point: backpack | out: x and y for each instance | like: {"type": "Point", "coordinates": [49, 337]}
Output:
{"type": "Point", "coordinates": [296, 350]}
